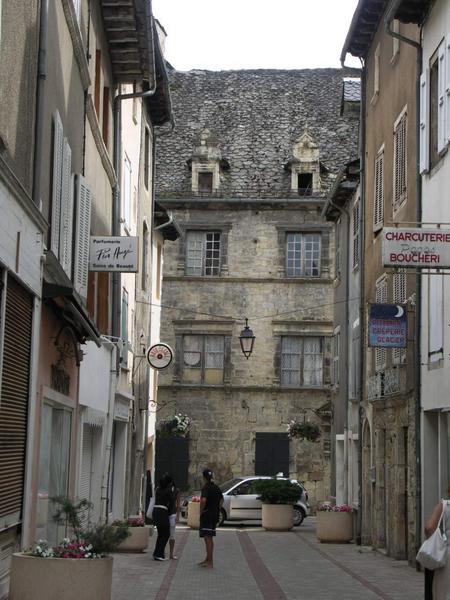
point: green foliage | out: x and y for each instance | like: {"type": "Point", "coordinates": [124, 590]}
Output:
{"type": "Point", "coordinates": [277, 491]}
{"type": "Point", "coordinates": [105, 538]}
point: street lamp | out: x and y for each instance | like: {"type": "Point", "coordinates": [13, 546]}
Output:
{"type": "Point", "coordinates": [247, 339]}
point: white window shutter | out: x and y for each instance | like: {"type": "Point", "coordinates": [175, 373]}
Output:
{"type": "Point", "coordinates": [441, 141]}
{"type": "Point", "coordinates": [82, 233]}
{"type": "Point", "coordinates": [424, 121]}
{"type": "Point", "coordinates": [447, 89]}
{"type": "Point", "coordinates": [378, 206]}
{"type": "Point", "coordinates": [435, 316]}
{"type": "Point", "coordinates": [66, 229]}
{"type": "Point", "coordinates": [58, 140]}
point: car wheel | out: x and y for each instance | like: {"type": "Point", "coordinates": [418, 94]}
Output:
{"type": "Point", "coordinates": [222, 517]}
{"type": "Point", "coordinates": [299, 515]}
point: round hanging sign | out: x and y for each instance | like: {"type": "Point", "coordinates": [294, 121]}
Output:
{"type": "Point", "coordinates": [159, 356]}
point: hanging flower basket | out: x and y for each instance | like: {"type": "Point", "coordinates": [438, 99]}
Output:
{"type": "Point", "coordinates": [177, 426]}
{"type": "Point", "coordinates": [304, 430]}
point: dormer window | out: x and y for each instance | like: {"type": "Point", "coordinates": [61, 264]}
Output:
{"type": "Point", "coordinates": [305, 184]}
{"type": "Point", "coordinates": [304, 166]}
{"type": "Point", "coordinates": [206, 164]}
{"type": "Point", "coordinates": [205, 182]}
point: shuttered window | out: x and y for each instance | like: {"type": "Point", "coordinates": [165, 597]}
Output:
{"type": "Point", "coordinates": [399, 297]}
{"type": "Point", "coordinates": [435, 316]}
{"type": "Point", "coordinates": [57, 170]}
{"type": "Point", "coordinates": [378, 196]}
{"type": "Point", "coordinates": [400, 161]}
{"type": "Point", "coordinates": [424, 137]}
{"type": "Point", "coordinates": [82, 232]}
{"type": "Point", "coordinates": [14, 397]}
{"type": "Point", "coordinates": [441, 138]}
{"type": "Point", "coordinates": [86, 467]}
{"type": "Point", "coordinates": [381, 298]}
{"type": "Point", "coordinates": [355, 234]}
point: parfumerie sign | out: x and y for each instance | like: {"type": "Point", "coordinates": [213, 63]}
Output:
{"type": "Point", "coordinates": [118, 254]}
{"type": "Point", "coordinates": [422, 248]}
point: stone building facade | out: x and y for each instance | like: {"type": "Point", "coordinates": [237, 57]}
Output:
{"type": "Point", "coordinates": [246, 177]}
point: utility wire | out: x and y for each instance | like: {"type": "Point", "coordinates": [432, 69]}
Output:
{"type": "Point", "coordinates": [250, 318]}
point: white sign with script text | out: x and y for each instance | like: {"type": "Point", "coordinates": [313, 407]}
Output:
{"type": "Point", "coordinates": [119, 253]}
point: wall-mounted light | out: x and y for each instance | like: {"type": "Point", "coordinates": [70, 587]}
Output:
{"type": "Point", "coordinates": [247, 339]}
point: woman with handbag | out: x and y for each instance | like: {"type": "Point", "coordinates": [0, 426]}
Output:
{"type": "Point", "coordinates": [440, 518]}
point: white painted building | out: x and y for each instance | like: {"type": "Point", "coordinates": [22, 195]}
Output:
{"type": "Point", "coordinates": [435, 338]}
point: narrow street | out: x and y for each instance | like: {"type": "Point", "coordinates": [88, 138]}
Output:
{"type": "Point", "coordinates": [253, 564]}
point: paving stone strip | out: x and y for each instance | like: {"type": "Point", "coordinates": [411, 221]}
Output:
{"type": "Point", "coordinates": [168, 577]}
{"type": "Point", "coordinates": [267, 584]}
{"type": "Point", "coordinates": [373, 588]}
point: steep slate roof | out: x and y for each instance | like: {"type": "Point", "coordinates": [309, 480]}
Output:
{"type": "Point", "coordinates": [352, 90]}
{"type": "Point", "coordinates": [256, 117]}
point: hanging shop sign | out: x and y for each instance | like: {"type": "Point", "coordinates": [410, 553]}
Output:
{"type": "Point", "coordinates": [388, 327]}
{"type": "Point", "coordinates": [418, 248]}
{"type": "Point", "coordinates": [159, 356]}
{"type": "Point", "coordinates": [118, 253]}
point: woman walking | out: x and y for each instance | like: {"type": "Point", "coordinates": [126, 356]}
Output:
{"type": "Point", "coordinates": [173, 518]}
{"type": "Point", "coordinates": [441, 577]}
{"type": "Point", "coordinates": [210, 504]}
{"type": "Point", "coordinates": [162, 508]}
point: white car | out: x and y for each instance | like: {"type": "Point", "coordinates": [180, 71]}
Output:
{"type": "Point", "coordinates": [240, 501]}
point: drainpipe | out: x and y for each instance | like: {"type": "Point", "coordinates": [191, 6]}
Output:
{"type": "Point", "coordinates": [167, 223]}
{"type": "Point", "coordinates": [40, 102]}
{"type": "Point", "coordinates": [104, 495]}
{"type": "Point", "coordinates": [392, 9]}
{"type": "Point", "coordinates": [343, 210]}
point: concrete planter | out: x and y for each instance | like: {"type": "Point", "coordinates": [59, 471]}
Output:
{"type": "Point", "coordinates": [35, 578]}
{"type": "Point", "coordinates": [277, 517]}
{"type": "Point", "coordinates": [193, 519]}
{"type": "Point", "coordinates": [137, 541]}
{"type": "Point", "coordinates": [334, 527]}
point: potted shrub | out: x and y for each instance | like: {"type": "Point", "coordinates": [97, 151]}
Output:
{"type": "Point", "coordinates": [277, 497]}
{"type": "Point", "coordinates": [78, 567]}
{"type": "Point", "coordinates": [334, 523]}
{"type": "Point", "coordinates": [193, 518]}
{"type": "Point", "coordinates": [177, 426]}
{"type": "Point", "coordinates": [304, 430]}
{"type": "Point", "coordinates": [139, 533]}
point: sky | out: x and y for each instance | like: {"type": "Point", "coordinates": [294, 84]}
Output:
{"type": "Point", "coordinates": [255, 34]}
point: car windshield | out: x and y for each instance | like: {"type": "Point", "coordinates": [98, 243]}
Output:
{"type": "Point", "coordinates": [229, 484]}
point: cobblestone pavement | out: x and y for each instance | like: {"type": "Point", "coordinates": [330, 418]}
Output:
{"type": "Point", "coordinates": [252, 564]}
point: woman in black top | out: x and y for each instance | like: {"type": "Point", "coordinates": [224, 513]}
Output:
{"type": "Point", "coordinates": [210, 504]}
{"type": "Point", "coordinates": [161, 511]}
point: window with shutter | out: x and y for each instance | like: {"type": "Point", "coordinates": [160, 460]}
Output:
{"type": "Point", "coordinates": [399, 297]}
{"type": "Point", "coordinates": [435, 109]}
{"type": "Point", "coordinates": [381, 298]}
{"type": "Point", "coordinates": [66, 228]}
{"type": "Point", "coordinates": [14, 399]}
{"type": "Point", "coordinates": [447, 89]}
{"type": "Point", "coordinates": [303, 254]}
{"type": "Point", "coordinates": [86, 468]}
{"type": "Point", "coordinates": [337, 241]}
{"type": "Point", "coordinates": [82, 233]}
{"type": "Point", "coordinates": [424, 140]}
{"type": "Point", "coordinates": [355, 234]}
{"type": "Point", "coordinates": [400, 164]}
{"type": "Point", "coordinates": [127, 191]}
{"type": "Point", "coordinates": [441, 140]}
{"type": "Point", "coordinates": [435, 316]}
{"type": "Point", "coordinates": [378, 205]}
{"type": "Point", "coordinates": [57, 174]}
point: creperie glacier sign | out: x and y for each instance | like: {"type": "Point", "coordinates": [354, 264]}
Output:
{"type": "Point", "coordinates": [418, 248]}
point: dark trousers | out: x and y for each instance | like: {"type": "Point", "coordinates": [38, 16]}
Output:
{"type": "Point", "coordinates": [429, 584]}
{"type": "Point", "coordinates": [162, 539]}
{"type": "Point", "coordinates": [161, 520]}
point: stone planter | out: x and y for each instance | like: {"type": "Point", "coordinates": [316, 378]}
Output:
{"type": "Point", "coordinates": [35, 578]}
{"type": "Point", "coordinates": [193, 519]}
{"type": "Point", "coordinates": [277, 517]}
{"type": "Point", "coordinates": [137, 541]}
{"type": "Point", "coordinates": [334, 527]}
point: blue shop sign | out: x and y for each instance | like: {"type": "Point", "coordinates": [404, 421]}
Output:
{"type": "Point", "coordinates": [388, 326]}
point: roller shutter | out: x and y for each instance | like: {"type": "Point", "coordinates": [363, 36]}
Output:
{"type": "Point", "coordinates": [14, 396]}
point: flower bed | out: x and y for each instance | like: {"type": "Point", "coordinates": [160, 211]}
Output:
{"type": "Point", "coordinates": [177, 426]}
{"type": "Point", "coordinates": [304, 430]}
